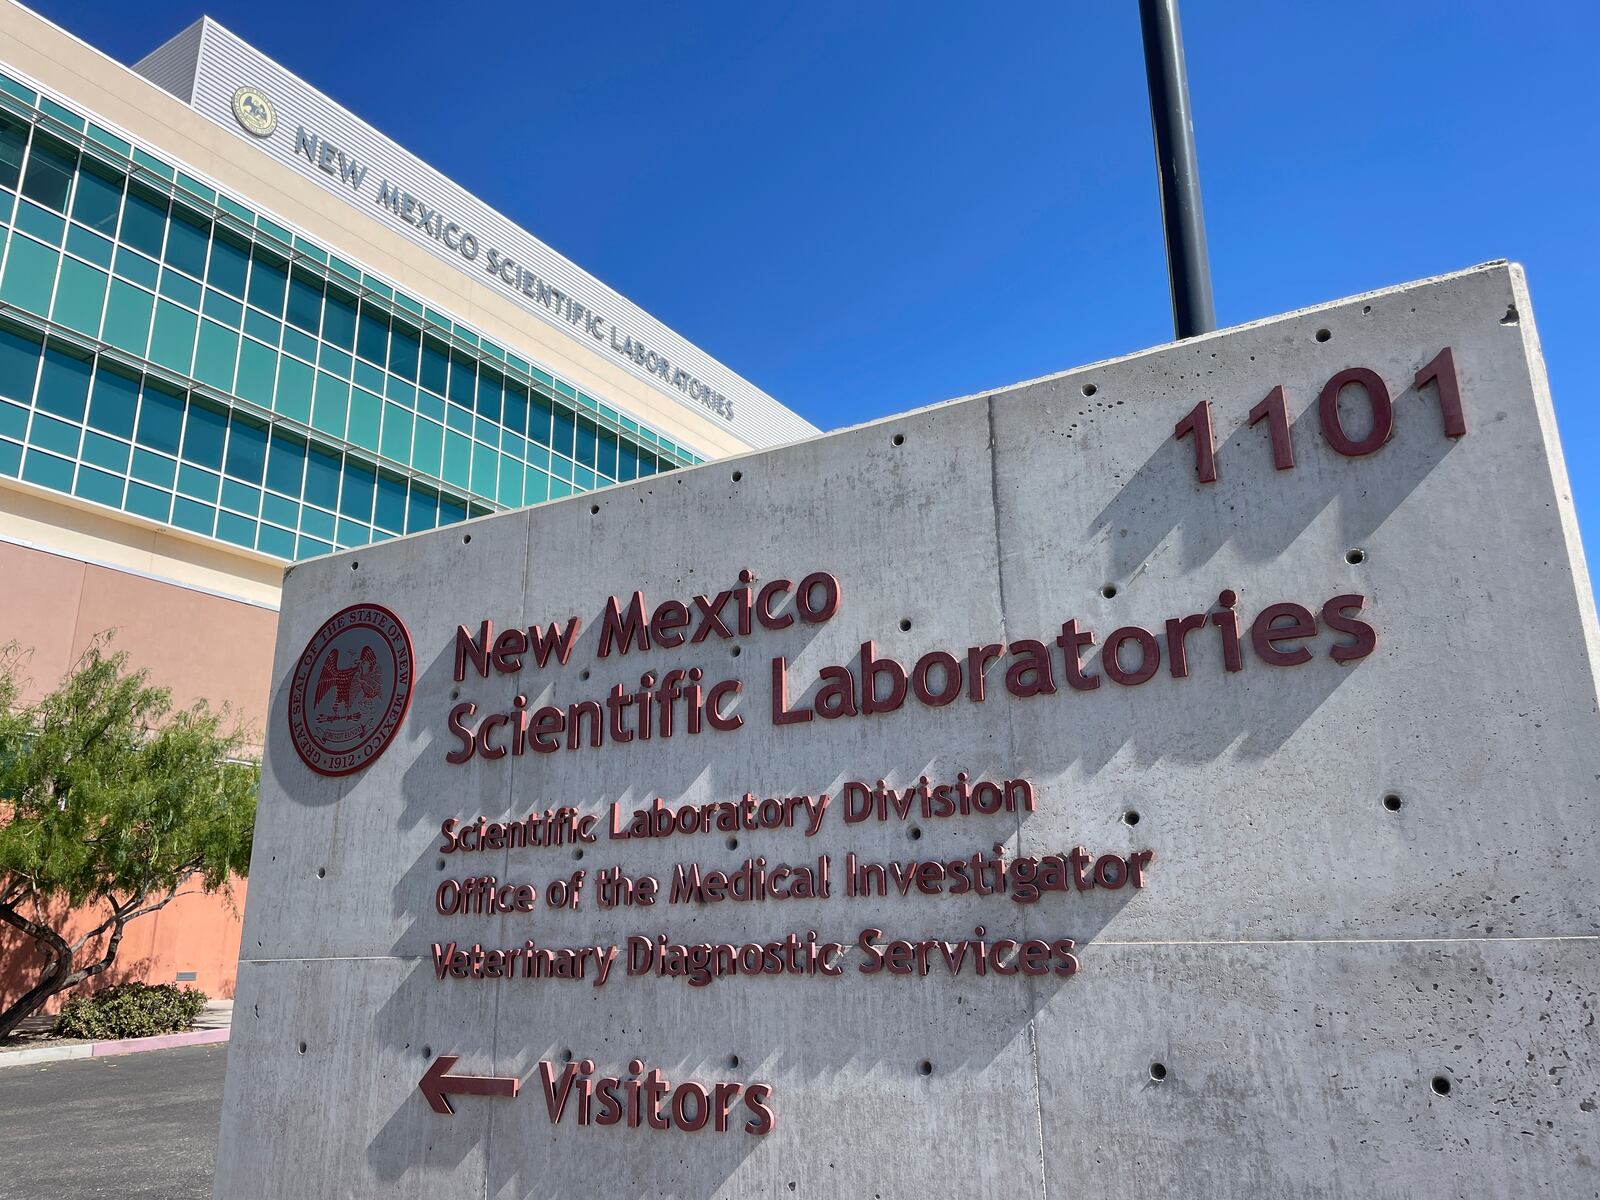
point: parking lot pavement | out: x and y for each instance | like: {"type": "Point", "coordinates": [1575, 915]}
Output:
{"type": "Point", "coordinates": [140, 1127]}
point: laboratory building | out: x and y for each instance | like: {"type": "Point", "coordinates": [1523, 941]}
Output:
{"type": "Point", "coordinates": [239, 327]}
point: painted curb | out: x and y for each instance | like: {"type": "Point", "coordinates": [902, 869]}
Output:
{"type": "Point", "coordinates": [47, 1054]}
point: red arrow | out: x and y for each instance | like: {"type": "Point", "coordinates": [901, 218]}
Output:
{"type": "Point", "coordinates": [437, 1081]}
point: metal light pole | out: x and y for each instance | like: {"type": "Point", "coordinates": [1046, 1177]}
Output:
{"type": "Point", "coordinates": [1188, 265]}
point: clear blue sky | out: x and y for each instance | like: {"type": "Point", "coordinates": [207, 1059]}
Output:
{"type": "Point", "coordinates": [867, 207]}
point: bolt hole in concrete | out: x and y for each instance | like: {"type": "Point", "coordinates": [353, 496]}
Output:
{"type": "Point", "coordinates": [1355, 557]}
{"type": "Point", "coordinates": [578, 853]}
{"type": "Point", "coordinates": [899, 439]}
{"type": "Point", "coordinates": [1323, 335]}
{"type": "Point", "coordinates": [584, 675]}
{"type": "Point", "coordinates": [733, 843]}
{"type": "Point", "coordinates": [466, 539]}
{"type": "Point", "coordinates": [440, 865]}
{"type": "Point", "coordinates": [455, 693]}
{"type": "Point", "coordinates": [593, 508]}
{"type": "Point", "coordinates": [322, 872]}
{"type": "Point", "coordinates": [1511, 317]}
{"type": "Point", "coordinates": [1366, 308]}
{"type": "Point", "coordinates": [427, 1052]}
{"type": "Point", "coordinates": [1158, 1072]}
{"type": "Point", "coordinates": [355, 566]}
{"type": "Point", "coordinates": [733, 1060]}
{"type": "Point", "coordinates": [924, 1067]}
{"type": "Point", "coordinates": [1441, 1085]}
{"type": "Point", "coordinates": [738, 475]}
{"type": "Point", "coordinates": [1392, 802]}
{"type": "Point", "coordinates": [1109, 591]}
{"type": "Point", "coordinates": [1089, 389]}
{"type": "Point", "coordinates": [1131, 817]}
{"type": "Point", "coordinates": [566, 1056]}
{"type": "Point", "coordinates": [302, 1047]}
{"type": "Point", "coordinates": [737, 651]}
{"type": "Point", "coordinates": [905, 624]}
{"type": "Point", "coordinates": [915, 834]}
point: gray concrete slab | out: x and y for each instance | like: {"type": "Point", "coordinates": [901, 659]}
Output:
{"type": "Point", "coordinates": [1303, 959]}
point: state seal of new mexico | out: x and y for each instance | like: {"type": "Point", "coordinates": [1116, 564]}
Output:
{"type": "Point", "coordinates": [350, 689]}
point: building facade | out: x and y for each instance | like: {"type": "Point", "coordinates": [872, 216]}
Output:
{"type": "Point", "coordinates": [239, 328]}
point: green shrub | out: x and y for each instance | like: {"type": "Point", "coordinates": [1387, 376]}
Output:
{"type": "Point", "coordinates": [131, 1010]}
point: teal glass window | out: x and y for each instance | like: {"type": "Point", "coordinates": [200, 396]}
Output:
{"type": "Point", "coordinates": [422, 512]}
{"type": "Point", "coordinates": [366, 412]}
{"type": "Point", "coordinates": [105, 452]}
{"type": "Point", "coordinates": [172, 340]}
{"type": "Point", "coordinates": [13, 142]}
{"type": "Point", "coordinates": [540, 416]}
{"type": "Point", "coordinates": [276, 541]}
{"type": "Point", "coordinates": [372, 335]}
{"type": "Point", "coordinates": [134, 266]}
{"type": "Point", "coordinates": [280, 511]}
{"type": "Point", "coordinates": [216, 356]}
{"type": "Point", "coordinates": [188, 238]}
{"type": "Point", "coordinates": [155, 469]}
{"type": "Point", "coordinates": [360, 483]}
{"type": "Point", "coordinates": [322, 478]}
{"type": "Point", "coordinates": [13, 420]}
{"type": "Point", "coordinates": [99, 198]}
{"type": "Point", "coordinates": [114, 403]}
{"type": "Point", "coordinates": [91, 246]}
{"type": "Point", "coordinates": [51, 166]}
{"type": "Point", "coordinates": [201, 485]}
{"type": "Point", "coordinates": [160, 419]}
{"type": "Point", "coordinates": [563, 431]}
{"type": "Point", "coordinates": [403, 346]}
{"type": "Point", "coordinates": [144, 220]}
{"type": "Point", "coordinates": [64, 384]}
{"type": "Point", "coordinates": [19, 364]}
{"type": "Point", "coordinates": [99, 487]}
{"type": "Point", "coordinates": [247, 450]}
{"type": "Point", "coordinates": [317, 523]}
{"type": "Point", "coordinates": [179, 287]}
{"type": "Point", "coordinates": [435, 366]}
{"type": "Point", "coordinates": [230, 260]}
{"type": "Point", "coordinates": [303, 331]}
{"type": "Point", "coordinates": [128, 312]}
{"type": "Point", "coordinates": [241, 531]}
{"type": "Point", "coordinates": [148, 502]}
{"type": "Point", "coordinates": [339, 319]}
{"type": "Point", "coordinates": [390, 513]}
{"type": "Point", "coordinates": [30, 275]}
{"type": "Point", "coordinates": [516, 409]}
{"type": "Point", "coordinates": [43, 224]}
{"type": "Point", "coordinates": [305, 302]}
{"type": "Point", "coordinates": [205, 431]}
{"type": "Point", "coordinates": [59, 436]}
{"type": "Point", "coordinates": [490, 392]}
{"type": "Point", "coordinates": [47, 470]}
{"type": "Point", "coordinates": [293, 397]}
{"type": "Point", "coordinates": [463, 380]}
{"type": "Point", "coordinates": [286, 464]}
{"type": "Point", "coordinates": [268, 280]}
{"type": "Point", "coordinates": [586, 443]}
{"type": "Point", "coordinates": [220, 308]}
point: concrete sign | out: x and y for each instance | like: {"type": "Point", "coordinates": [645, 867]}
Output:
{"type": "Point", "coordinates": [1176, 777]}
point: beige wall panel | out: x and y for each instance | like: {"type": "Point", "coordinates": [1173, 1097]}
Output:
{"type": "Point", "coordinates": [39, 611]}
{"type": "Point", "coordinates": [200, 646]}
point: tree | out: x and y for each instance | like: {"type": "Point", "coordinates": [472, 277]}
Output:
{"type": "Point", "coordinates": [112, 800]}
